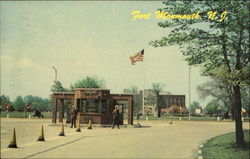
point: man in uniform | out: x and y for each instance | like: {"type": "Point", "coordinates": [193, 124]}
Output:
{"type": "Point", "coordinates": [116, 117]}
{"type": "Point", "coordinates": [73, 117]}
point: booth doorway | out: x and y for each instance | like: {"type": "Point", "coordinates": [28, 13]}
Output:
{"type": "Point", "coordinates": [123, 112]}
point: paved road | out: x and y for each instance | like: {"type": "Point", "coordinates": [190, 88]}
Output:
{"type": "Point", "coordinates": [156, 139]}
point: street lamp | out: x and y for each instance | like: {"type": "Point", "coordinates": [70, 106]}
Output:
{"type": "Point", "coordinates": [189, 117]}
{"type": "Point", "coordinates": [53, 67]}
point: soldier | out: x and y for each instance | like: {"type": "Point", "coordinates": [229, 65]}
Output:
{"type": "Point", "coordinates": [73, 117]}
{"type": "Point", "coordinates": [116, 117]}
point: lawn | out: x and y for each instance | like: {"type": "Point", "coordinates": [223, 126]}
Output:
{"type": "Point", "coordinates": [167, 117]}
{"type": "Point", "coordinates": [17, 114]}
{"type": "Point", "coordinates": [224, 147]}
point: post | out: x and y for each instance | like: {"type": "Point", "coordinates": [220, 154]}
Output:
{"type": "Point", "coordinates": [189, 83]}
{"type": "Point", "coordinates": [143, 107]}
{"type": "Point", "coordinates": [54, 110]}
{"type": "Point", "coordinates": [61, 111]}
{"type": "Point", "coordinates": [130, 111]}
{"type": "Point", "coordinates": [218, 118]}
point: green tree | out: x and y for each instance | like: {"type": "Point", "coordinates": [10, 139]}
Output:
{"type": "Point", "coordinates": [57, 87]}
{"type": "Point", "coordinates": [158, 87]}
{"type": "Point", "coordinates": [19, 104]}
{"type": "Point", "coordinates": [38, 103]}
{"type": "Point", "coordinates": [193, 106]}
{"type": "Point", "coordinates": [220, 92]}
{"type": "Point", "coordinates": [214, 108]}
{"type": "Point", "coordinates": [4, 100]}
{"type": "Point", "coordinates": [211, 108]}
{"type": "Point", "coordinates": [89, 82]}
{"type": "Point", "coordinates": [219, 45]}
{"type": "Point", "coordinates": [132, 90]}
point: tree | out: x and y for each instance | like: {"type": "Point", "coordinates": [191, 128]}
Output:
{"type": "Point", "coordinates": [157, 87]}
{"type": "Point", "coordinates": [214, 108]}
{"type": "Point", "coordinates": [89, 82]}
{"type": "Point", "coordinates": [57, 87]}
{"type": "Point", "coordinates": [132, 89]}
{"type": "Point", "coordinates": [219, 91]}
{"type": "Point", "coordinates": [136, 95]}
{"type": "Point", "coordinates": [218, 42]}
{"type": "Point", "coordinates": [4, 100]}
{"type": "Point", "coordinates": [211, 108]}
{"type": "Point", "coordinates": [193, 106]}
{"type": "Point", "coordinates": [19, 104]}
{"type": "Point", "coordinates": [38, 102]}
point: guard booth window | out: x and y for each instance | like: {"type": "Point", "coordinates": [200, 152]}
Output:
{"type": "Point", "coordinates": [104, 106]}
{"type": "Point", "coordinates": [89, 106]}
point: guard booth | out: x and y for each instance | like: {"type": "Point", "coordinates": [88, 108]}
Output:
{"type": "Point", "coordinates": [93, 104]}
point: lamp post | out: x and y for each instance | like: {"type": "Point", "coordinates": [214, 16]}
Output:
{"type": "Point", "coordinates": [53, 67]}
{"type": "Point", "coordinates": [189, 115]}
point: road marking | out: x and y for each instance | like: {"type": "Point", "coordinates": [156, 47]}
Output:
{"type": "Point", "coordinates": [55, 147]}
{"type": "Point", "coordinates": [53, 138]}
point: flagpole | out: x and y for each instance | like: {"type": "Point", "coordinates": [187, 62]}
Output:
{"type": "Point", "coordinates": [143, 109]}
{"type": "Point", "coordinates": [143, 92]}
{"type": "Point", "coordinates": [139, 57]}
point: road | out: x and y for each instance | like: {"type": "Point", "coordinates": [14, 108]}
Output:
{"type": "Point", "coordinates": [156, 139]}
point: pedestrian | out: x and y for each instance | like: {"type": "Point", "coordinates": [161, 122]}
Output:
{"type": "Point", "coordinates": [116, 117]}
{"type": "Point", "coordinates": [73, 117]}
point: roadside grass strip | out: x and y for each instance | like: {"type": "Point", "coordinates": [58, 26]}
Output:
{"type": "Point", "coordinates": [224, 147]}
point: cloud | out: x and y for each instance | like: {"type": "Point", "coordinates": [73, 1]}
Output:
{"type": "Point", "coordinates": [23, 63]}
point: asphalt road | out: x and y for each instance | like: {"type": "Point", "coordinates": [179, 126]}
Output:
{"type": "Point", "coordinates": [156, 139]}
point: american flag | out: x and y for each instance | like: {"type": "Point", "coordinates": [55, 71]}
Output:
{"type": "Point", "coordinates": [137, 57]}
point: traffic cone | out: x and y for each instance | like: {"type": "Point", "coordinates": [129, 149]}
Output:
{"type": "Point", "coordinates": [78, 129]}
{"type": "Point", "coordinates": [13, 140]}
{"type": "Point", "coordinates": [62, 131]}
{"type": "Point", "coordinates": [90, 125]}
{"type": "Point", "coordinates": [41, 136]}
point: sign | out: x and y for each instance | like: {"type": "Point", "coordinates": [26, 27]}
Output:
{"type": "Point", "coordinates": [198, 111]}
{"type": "Point", "coordinates": [90, 92]}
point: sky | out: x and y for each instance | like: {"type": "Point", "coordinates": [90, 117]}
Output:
{"type": "Point", "coordinates": [82, 39]}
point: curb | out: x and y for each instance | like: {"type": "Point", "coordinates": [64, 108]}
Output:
{"type": "Point", "coordinates": [200, 152]}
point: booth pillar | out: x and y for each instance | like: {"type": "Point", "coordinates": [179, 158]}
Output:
{"type": "Point", "coordinates": [61, 110]}
{"type": "Point", "coordinates": [130, 111]}
{"type": "Point", "coordinates": [54, 111]}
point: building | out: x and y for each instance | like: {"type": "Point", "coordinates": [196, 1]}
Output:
{"type": "Point", "coordinates": [172, 103]}
{"type": "Point", "coordinates": [93, 104]}
{"type": "Point", "coordinates": [165, 101]}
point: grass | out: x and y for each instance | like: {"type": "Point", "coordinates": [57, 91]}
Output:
{"type": "Point", "coordinates": [16, 114]}
{"type": "Point", "coordinates": [167, 117]}
{"type": "Point", "coordinates": [185, 117]}
{"type": "Point", "coordinates": [224, 147]}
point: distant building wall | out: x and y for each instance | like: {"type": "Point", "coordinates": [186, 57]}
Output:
{"type": "Point", "coordinates": [166, 101]}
